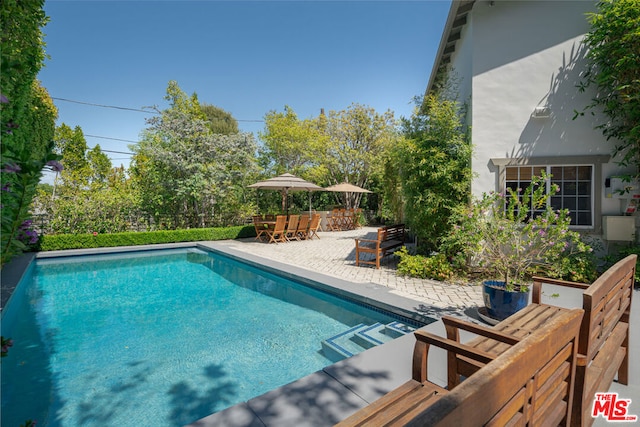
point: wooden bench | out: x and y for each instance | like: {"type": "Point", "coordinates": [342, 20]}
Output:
{"type": "Point", "coordinates": [389, 238]}
{"type": "Point", "coordinates": [604, 334]}
{"type": "Point", "coordinates": [492, 341]}
{"type": "Point", "coordinates": [531, 383]}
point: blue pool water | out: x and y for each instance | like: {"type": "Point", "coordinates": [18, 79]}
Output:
{"type": "Point", "coordinates": [159, 338]}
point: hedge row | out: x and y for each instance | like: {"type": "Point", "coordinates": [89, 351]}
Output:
{"type": "Point", "coordinates": [83, 241]}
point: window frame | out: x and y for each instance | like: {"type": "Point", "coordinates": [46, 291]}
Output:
{"type": "Point", "coordinates": [568, 161]}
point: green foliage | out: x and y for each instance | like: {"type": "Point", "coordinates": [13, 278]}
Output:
{"type": "Point", "coordinates": [20, 178]}
{"type": "Point", "coordinates": [291, 145]}
{"type": "Point", "coordinates": [434, 267]}
{"type": "Point", "coordinates": [183, 171]}
{"type": "Point", "coordinates": [88, 195]}
{"type": "Point", "coordinates": [391, 184]}
{"type": "Point", "coordinates": [434, 166]}
{"type": "Point", "coordinates": [220, 121]}
{"type": "Point", "coordinates": [345, 146]}
{"type": "Point", "coordinates": [358, 139]}
{"type": "Point", "coordinates": [105, 210]}
{"type": "Point", "coordinates": [623, 253]}
{"type": "Point", "coordinates": [97, 240]}
{"type": "Point", "coordinates": [580, 267]}
{"type": "Point", "coordinates": [614, 50]}
{"type": "Point", "coordinates": [99, 166]}
{"type": "Point", "coordinates": [71, 145]}
{"type": "Point", "coordinates": [22, 55]}
{"type": "Point", "coordinates": [27, 120]}
{"type": "Point", "coordinates": [516, 235]}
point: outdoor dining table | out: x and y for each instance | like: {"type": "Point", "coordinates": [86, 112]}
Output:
{"type": "Point", "coordinates": [270, 224]}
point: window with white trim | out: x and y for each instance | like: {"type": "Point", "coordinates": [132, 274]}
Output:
{"type": "Point", "coordinates": [575, 183]}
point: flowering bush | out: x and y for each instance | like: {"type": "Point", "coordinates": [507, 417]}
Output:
{"type": "Point", "coordinates": [516, 235]}
{"type": "Point", "coordinates": [20, 172]}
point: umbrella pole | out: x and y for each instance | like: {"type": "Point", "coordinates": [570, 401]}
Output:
{"type": "Point", "coordinates": [285, 206]}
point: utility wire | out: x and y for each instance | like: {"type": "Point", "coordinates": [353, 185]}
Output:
{"type": "Point", "coordinates": [113, 139]}
{"type": "Point", "coordinates": [117, 152]}
{"type": "Point", "coordinates": [105, 106]}
{"type": "Point", "coordinates": [139, 110]}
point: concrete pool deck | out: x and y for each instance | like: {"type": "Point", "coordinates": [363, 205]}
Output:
{"type": "Point", "coordinates": [328, 396]}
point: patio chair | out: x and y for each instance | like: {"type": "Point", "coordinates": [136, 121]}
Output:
{"type": "Point", "coordinates": [292, 228]}
{"type": "Point", "coordinates": [313, 227]}
{"type": "Point", "coordinates": [259, 226]}
{"type": "Point", "coordinates": [278, 233]}
{"type": "Point", "coordinates": [303, 226]}
{"type": "Point", "coordinates": [269, 217]}
{"type": "Point", "coordinates": [348, 222]}
{"type": "Point", "coordinates": [335, 220]}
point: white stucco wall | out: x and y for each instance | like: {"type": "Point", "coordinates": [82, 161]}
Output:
{"type": "Point", "coordinates": [513, 57]}
{"type": "Point", "coordinates": [463, 67]}
{"type": "Point", "coordinates": [529, 54]}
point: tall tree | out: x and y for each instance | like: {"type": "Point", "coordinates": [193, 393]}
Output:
{"type": "Point", "coordinates": [89, 196]}
{"type": "Point", "coordinates": [72, 147]}
{"type": "Point", "coordinates": [434, 165]}
{"type": "Point", "coordinates": [99, 166]}
{"type": "Point", "coordinates": [614, 52]}
{"type": "Point", "coordinates": [185, 172]}
{"type": "Point", "coordinates": [358, 137]}
{"type": "Point", "coordinates": [291, 145]}
{"type": "Point", "coordinates": [220, 121]}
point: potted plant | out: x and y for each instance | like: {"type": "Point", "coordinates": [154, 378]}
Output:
{"type": "Point", "coordinates": [513, 236]}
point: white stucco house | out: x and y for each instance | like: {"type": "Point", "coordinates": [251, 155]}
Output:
{"type": "Point", "coordinates": [517, 65]}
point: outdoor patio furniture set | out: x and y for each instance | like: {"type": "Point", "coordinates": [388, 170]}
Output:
{"type": "Point", "coordinates": [543, 365]}
{"type": "Point", "coordinates": [281, 228]}
{"type": "Point", "coordinates": [344, 219]}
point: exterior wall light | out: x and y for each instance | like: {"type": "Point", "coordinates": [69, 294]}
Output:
{"type": "Point", "coordinates": [541, 113]}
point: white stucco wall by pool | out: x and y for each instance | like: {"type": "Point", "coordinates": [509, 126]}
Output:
{"type": "Point", "coordinates": [514, 56]}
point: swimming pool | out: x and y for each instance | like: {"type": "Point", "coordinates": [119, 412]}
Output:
{"type": "Point", "coordinates": [169, 336]}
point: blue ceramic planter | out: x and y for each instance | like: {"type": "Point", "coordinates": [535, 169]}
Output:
{"type": "Point", "coordinates": [501, 303]}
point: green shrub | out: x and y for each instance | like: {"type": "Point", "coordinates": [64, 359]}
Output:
{"type": "Point", "coordinates": [435, 267]}
{"type": "Point", "coordinates": [499, 234]}
{"type": "Point", "coordinates": [83, 241]}
{"type": "Point", "coordinates": [623, 253]}
{"type": "Point", "coordinates": [579, 267]}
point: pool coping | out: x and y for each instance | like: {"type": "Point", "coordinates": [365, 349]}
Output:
{"type": "Point", "coordinates": [321, 398]}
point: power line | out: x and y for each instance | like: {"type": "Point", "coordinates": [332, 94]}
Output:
{"type": "Point", "coordinates": [106, 106]}
{"type": "Point", "coordinates": [139, 110]}
{"type": "Point", "coordinates": [112, 139]}
{"type": "Point", "coordinates": [117, 152]}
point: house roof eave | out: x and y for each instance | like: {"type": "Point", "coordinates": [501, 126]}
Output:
{"type": "Point", "coordinates": [451, 33]}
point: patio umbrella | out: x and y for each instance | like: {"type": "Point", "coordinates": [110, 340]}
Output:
{"type": "Point", "coordinates": [286, 183]}
{"type": "Point", "coordinates": [345, 187]}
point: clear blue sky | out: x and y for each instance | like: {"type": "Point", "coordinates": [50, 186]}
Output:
{"type": "Point", "coordinates": [247, 57]}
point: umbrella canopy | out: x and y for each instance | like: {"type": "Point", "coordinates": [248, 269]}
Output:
{"type": "Point", "coordinates": [285, 183]}
{"type": "Point", "coordinates": [348, 189]}
{"type": "Point", "coordinates": [345, 187]}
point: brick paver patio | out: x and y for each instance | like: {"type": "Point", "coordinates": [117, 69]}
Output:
{"type": "Point", "coordinates": [334, 255]}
